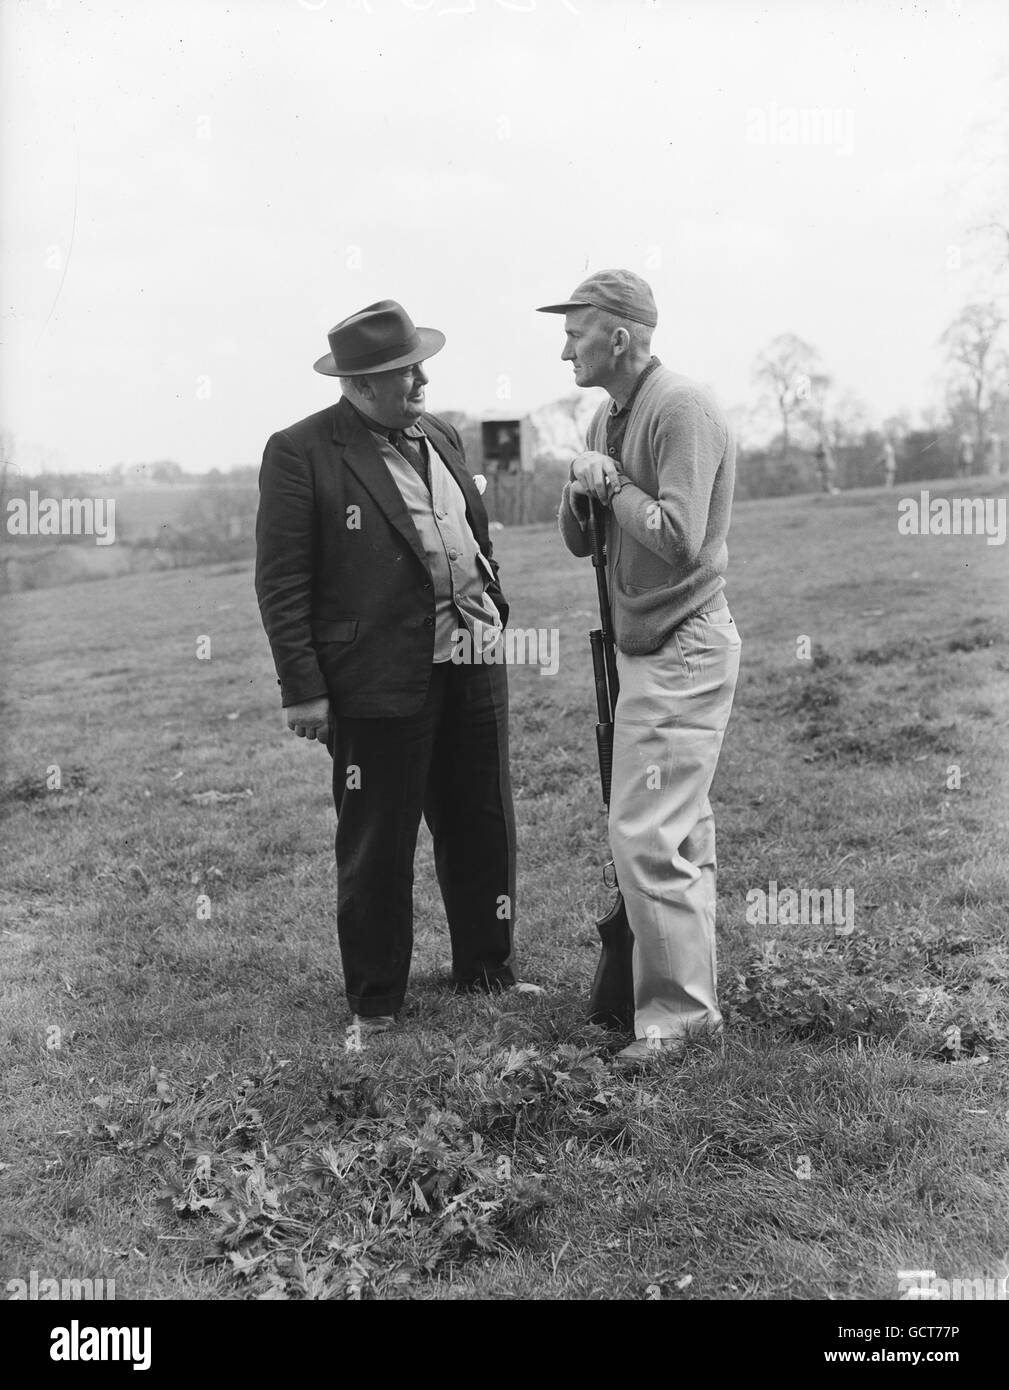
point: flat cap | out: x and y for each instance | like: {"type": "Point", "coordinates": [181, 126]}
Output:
{"type": "Point", "coordinates": [619, 292]}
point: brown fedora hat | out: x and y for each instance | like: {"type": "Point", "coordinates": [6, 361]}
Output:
{"type": "Point", "coordinates": [377, 339]}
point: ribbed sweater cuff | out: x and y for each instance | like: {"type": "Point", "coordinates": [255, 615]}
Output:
{"type": "Point", "coordinates": [710, 605]}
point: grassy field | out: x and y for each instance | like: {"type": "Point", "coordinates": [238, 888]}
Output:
{"type": "Point", "coordinates": [183, 1113]}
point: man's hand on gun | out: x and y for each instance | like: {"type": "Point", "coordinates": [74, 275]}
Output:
{"type": "Point", "coordinates": [593, 475]}
{"type": "Point", "coordinates": [310, 720]}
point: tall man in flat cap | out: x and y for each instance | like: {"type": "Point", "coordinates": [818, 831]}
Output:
{"type": "Point", "coordinates": [661, 460]}
{"type": "Point", "coordinates": [372, 551]}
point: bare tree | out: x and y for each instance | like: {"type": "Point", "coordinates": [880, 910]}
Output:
{"type": "Point", "coordinates": [790, 377]}
{"type": "Point", "coordinates": [973, 344]}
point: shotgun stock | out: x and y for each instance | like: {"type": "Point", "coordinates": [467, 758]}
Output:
{"type": "Point", "coordinates": [611, 998]}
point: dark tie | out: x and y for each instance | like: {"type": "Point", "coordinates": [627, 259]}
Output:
{"type": "Point", "coordinates": [412, 453]}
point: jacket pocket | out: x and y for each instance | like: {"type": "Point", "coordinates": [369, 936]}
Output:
{"type": "Point", "coordinates": [334, 629]}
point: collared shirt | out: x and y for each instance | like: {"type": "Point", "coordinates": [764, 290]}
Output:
{"type": "Point", "coordinates": [413, 431]}
{"type": "Point", "coordinates": [616, 420]}
{"type": "Point", "coordinates": [459, 570]}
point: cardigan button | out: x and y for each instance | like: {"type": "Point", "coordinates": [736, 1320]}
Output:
{"type": "Point", "coordinates": [429, 622]}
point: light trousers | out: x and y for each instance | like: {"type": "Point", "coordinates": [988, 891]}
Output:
{"type": "Point", "coordinates": [671, 715]}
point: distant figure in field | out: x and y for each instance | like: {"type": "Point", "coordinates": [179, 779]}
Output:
{"type": "Point", "coordinates": [826, 468]}
{"type": "Point", "coordinates": [888, 460]}
{"type": "Point", "coordinates": [995, 456]}
{"type": "Point", "coordinates": [965, 457]}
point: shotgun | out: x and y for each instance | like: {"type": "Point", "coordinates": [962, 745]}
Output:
{"type": "Point", "coordinates": [611, 999]}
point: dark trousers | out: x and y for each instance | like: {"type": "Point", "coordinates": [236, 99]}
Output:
{"type": "Point", "coordinates": [449, 762]}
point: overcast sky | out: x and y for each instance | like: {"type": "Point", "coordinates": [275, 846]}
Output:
{"type": "Point", "coordinates": [195, 192]}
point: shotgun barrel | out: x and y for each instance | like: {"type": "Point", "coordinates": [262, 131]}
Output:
{"type": "Point", "coordinates": [611, 998]}
{"type": "Point", "coordinates": [604, 725]}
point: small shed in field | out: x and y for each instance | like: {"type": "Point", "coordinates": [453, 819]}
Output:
{"type": "Point", "coordinates": [508, 446]}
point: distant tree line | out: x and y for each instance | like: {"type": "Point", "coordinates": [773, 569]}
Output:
{"type": "Point", "coordinates": [813, 435]}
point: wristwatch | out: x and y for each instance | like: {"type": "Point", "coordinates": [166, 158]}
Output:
{"type": "Point", "coordinates": [619, 483]}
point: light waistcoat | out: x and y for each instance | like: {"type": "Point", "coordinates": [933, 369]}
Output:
{"type": "Point", "coordinates": [459, 571]}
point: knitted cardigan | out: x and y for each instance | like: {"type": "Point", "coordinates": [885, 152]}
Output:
{"type": "Point", "coordinates": [666, 528]}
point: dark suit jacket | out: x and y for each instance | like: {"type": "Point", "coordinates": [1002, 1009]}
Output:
{"type": "Point", "coordinates": [342, 581]}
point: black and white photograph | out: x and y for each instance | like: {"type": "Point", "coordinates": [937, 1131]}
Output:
{"type": "Point", "coordinates": [505, 696]}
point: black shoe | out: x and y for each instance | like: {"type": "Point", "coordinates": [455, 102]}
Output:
{"type": "Point", "coordinates": [375, 1023]}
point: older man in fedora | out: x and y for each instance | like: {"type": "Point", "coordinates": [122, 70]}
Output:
{"type": "Point", "coordinates": [372, 554]}
{"type": "Point", "coordinates": [661, 461]}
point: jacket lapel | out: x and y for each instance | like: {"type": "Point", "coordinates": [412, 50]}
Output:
{"type": "Point", "coordinates": [364, 459]}
{"type": "Point", "coordinates": [475, 514]}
